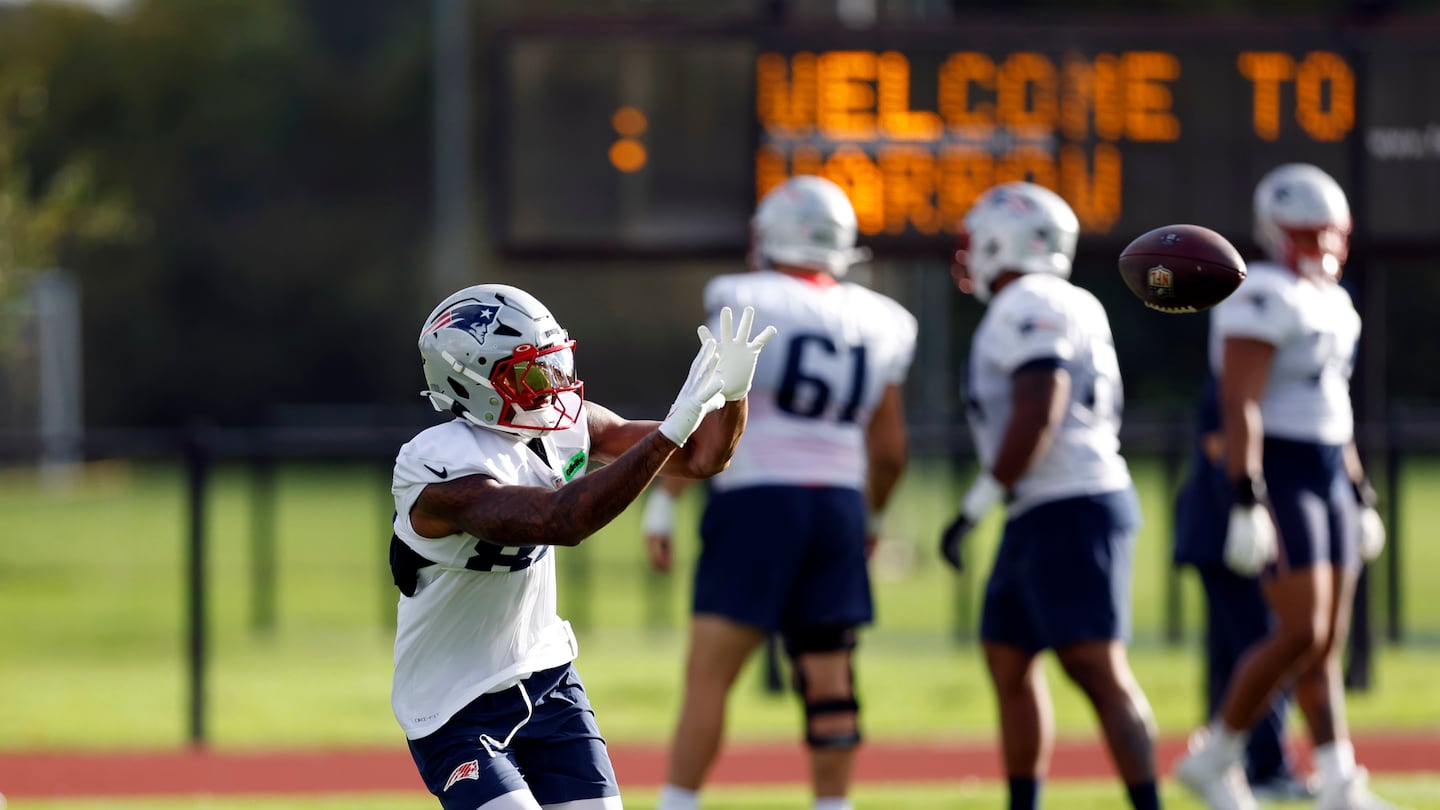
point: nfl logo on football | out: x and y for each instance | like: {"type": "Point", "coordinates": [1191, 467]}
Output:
{"type": "Point", "coordinates": [1161, 281]}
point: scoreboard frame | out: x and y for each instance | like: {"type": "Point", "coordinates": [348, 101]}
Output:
{"type": "Point", "coordinates": [1307, 100]}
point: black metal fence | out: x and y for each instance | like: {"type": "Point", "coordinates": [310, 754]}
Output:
{"type": "Point", "coordinates": [201, 448]}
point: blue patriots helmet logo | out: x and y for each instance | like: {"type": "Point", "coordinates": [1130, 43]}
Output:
{"type": "Point", "coordinates": [1035, 323]}
{"type": "Point", "coordinates": [1017, 203]}
{"type": "Point", "coordinates": [470, 316]}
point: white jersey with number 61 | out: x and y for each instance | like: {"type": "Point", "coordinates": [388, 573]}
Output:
{"type": "Point", "coordinates": [839, 346]}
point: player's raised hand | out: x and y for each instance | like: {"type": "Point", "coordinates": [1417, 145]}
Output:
{"type": "Point", "coordinates": [738, 352]}
{"type": "Point", "coordinates": [698, 396]}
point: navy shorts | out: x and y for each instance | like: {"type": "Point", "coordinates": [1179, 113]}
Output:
{"type": "Point", "coordinates": [784, 558]}
{"type": "Point", "coordinates": [1062, 573]}
{"type": "Point", "coordinates": [1314, 504]}
{"type": "Point", "coordinates": [558, 754]}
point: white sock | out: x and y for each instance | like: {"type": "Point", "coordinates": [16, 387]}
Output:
{"type": "Point", "coordinates": [677, 798]}
{"type": "Point", "coordinates": [833, 803]}
{"type": "Point", "coordinates": [1335, 761]}
{"type": "Point", "coordinates": [1227, 741]}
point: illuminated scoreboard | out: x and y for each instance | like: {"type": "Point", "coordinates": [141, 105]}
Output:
{"type": "Point", "coordinates": [1132, 137]}
{"type": "Point", "coordinates": [664, 144]}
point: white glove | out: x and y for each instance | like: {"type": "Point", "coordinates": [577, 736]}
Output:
{"type": "Point", "coordinates": [982, 496]}
{"type": "Point", "coordinates": [1372, 528]}
{"type": "Point", "coordinates": [1250, 542]}
{"type": "Point", "coordinates": [659, 515]}
{"type": "Point", "coordinates": [699, 396]}
{"type": "Point", "coordinates": [738, 353]}
{"type": "Point", "coordinates": [1372, 534]}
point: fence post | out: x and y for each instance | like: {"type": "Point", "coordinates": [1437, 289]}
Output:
{"type": "Point", "coordinates": [1174, 604]}
{"type": "Point", "coordinates": [658, 590]}
{"type": "Point", "coordinates": [1393, 465]}
{"type": "Point", "coordinates": [575, 566]}
{"type": "Point", "coordinates": [774, 674]}
{"type": "Point", "coordinates": [388, 594]}
{"type": "Point", "coordinates": [262, 539]}
{"type": "Point", "coordinates": [660, 587]}
{"type": "Point", "coordinates": [197, 469]}
{"type": "Point", "coordinates": [1359, 652]}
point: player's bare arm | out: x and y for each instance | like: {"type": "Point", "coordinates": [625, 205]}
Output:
{"type": "Point", "coordinates": [706, 453]}
{"type": "Point", "coordinates": [887, 448]}
{"type": "Point", "coordinates": [529, 516]}
{"type": "Point", "coordinates": [1354, 467]}
{"type": "Point", "coordinates": [658, 521]}
{"type": "Point", "coordinates": [672, 486]}
{"type": "Point", "coordinates": [1242, 384]}
{"type": "Point", "coordinates": [1040, 394]}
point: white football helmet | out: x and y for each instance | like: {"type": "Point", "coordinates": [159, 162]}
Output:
{"type": "Point", "coordinates": [494, 356]}
{"type": "Point", "coordinates": [1020, 227]}
{"type": "Point", "coordinates": [1302, 220]}
{"type": "Point", "coordinates": [807, 221]}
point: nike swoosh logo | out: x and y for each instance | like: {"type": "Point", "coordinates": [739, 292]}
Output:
{"type": "Point", "coordinates": [441, 473]}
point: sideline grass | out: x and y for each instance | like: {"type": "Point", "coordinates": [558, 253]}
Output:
{"type": "Point", "coordinates": [333, 691]}
{"type": "Point", "coordinates": [91, 600]}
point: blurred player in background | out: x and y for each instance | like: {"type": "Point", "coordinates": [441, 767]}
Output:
{"type": "Point", "coordinates": [484, 688]}
{"type": "Point", "coordinates": [788, 525]}
{"type": "Point", "coordinates": [1043, 396]}
{"type": "Point", "coordinates": [1236, 615]}
{"type": "Point", "coordinates": [1282, 349]}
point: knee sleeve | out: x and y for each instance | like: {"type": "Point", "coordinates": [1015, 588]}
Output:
{"type": "Point", "coordinates": [821, 639]}
{"type": "Point", "coordinates": [825, 640]}
{"type": "Point", "coordinates": [832, 740]}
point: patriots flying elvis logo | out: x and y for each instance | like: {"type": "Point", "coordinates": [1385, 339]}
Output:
{"type": "Point", "coordinates": [1017, 203]}
{"type": "Point", "coordinates": [471, 316]}
{"type": "Point", "coordinates": [467, 770]}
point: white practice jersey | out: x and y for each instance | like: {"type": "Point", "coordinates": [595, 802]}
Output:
{"type": "Point", "coordinates": [818, 382]}
{"type": "Point", "coordinates": [1314, 328]}
{"type": "Point", "coordinates": [1041, 317]}
{"type": "Point", "coordinates": [483, 617]}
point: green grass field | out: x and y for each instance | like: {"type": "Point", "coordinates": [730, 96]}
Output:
{"type": "Point", "coordinates": [92, 602]}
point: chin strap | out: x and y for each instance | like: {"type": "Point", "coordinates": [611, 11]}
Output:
{"type": "Point", "coordinates": [446, 403]}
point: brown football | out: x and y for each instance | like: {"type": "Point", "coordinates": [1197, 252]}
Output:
{"type": "Point", "coordinates": [1181, 268]}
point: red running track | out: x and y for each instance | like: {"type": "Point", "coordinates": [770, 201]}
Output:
{"type": "Point", "coordinates": [276, 772]}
